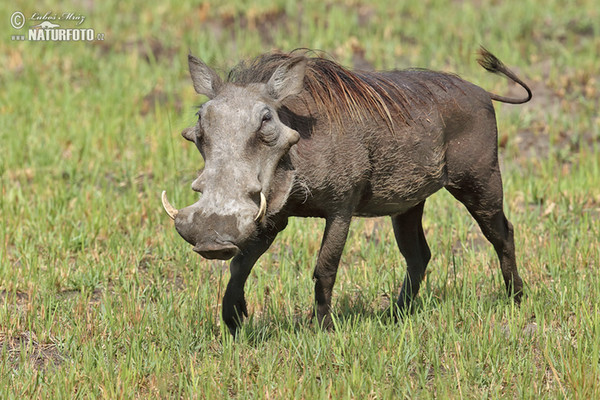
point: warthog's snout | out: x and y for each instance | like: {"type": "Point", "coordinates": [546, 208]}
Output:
{"type": "Point", "coordinates": [213, 235]}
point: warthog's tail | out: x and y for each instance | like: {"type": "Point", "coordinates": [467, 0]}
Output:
{"type": "Point", "coordinates": [490, 62]}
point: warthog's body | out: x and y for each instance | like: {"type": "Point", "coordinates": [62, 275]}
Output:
{"type": "Point", "coordinates": [315, 140]}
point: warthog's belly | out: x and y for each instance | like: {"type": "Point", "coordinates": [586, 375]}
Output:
{"type": "Point", "coordinates": [394, 199]}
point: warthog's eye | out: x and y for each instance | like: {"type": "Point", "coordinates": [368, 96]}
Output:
{"type": "Point", "coordinates": [267, 132]}
{"type": "Point", "coordinates": [267, 116]}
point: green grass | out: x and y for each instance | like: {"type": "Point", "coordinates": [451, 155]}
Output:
{"type": "Point", "coordinates": [99, 296]}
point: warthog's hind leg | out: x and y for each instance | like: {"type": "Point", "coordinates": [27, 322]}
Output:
{"type": "Point", "coordinates": [483, 198]}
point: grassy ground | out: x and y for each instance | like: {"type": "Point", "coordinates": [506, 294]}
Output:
{"type": "Point", "coordinates": [99, 297]}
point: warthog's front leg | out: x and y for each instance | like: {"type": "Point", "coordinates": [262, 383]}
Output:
{"type": "Point", "coordinates": [234, 303]}
{"type": "Point", "coordinates": [332, 246]}
{"type": "Point", "coordinates": [408, 230]}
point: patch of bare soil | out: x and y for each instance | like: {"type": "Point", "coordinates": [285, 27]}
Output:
{"type": "Point", "coordinates": [18, 297]}
{"type": "Point", "coordinates": [15, 300]}
{"type": "Point", "coordinates": [26, 345]}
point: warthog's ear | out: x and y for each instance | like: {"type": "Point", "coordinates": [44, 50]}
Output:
{"type": "Point", "coordinates": [206, 81]}
{"type": "Point", "coordinates": [288, 79]}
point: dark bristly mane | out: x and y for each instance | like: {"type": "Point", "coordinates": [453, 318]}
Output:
{"type": "Point", "coordinates": [337, 91]}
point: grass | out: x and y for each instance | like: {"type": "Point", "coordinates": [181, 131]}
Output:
{"type": "Point", "coordinates": [99, 297]}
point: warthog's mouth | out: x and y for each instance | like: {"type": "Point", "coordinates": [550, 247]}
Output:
{"type": "Point", "coordinates": [217, 251]}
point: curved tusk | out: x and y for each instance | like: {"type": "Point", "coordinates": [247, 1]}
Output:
{"type": "Point", "coordinates": [171, 211]}
{"type": "Point", "coordinates": [262, 210]}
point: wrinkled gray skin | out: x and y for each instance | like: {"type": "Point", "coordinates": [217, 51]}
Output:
{"type": "Point", "coordinates": [365, 170]}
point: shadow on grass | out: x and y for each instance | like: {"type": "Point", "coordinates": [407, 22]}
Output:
{"type": "Point", "coordinates": [358, 308]}
{"type": "Point", "coordinates": [349, 310]}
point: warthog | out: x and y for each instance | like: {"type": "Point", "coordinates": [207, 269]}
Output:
{"type": "Point", "coordinates": [299, 135]}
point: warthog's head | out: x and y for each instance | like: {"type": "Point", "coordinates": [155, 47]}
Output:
{"type": "Point", "coordinates": [245, 147]}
